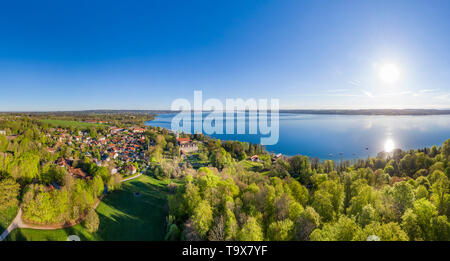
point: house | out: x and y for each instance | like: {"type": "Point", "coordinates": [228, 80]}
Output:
{"type": "Point", "coordinates": [62, 137]}
{"type": "Point", "coordinates": [99, 163]}
{"type": "Point", "coordinates": [78, 173]}
{"type": "Point", "coordinates": [51, 150]}
{"type": "Point", "coordinates": [48, 188]}
{"type": "Point", "coordinates": [11, 137]}
{"type": "Point", "coordinates": [181, 141]}
{"type": "Point", "coordinates": [115, 130]}
{"type": "Point", "coordinates": [2, 132]}
{"type": "Point", "coordinates": [254, 158]}
{"type": "Point", "coordinates": [278, 156]}
{"type": "Point", "coordinates": [131, 169]}
{"type": "Point", "coordinates": [62, 162]}
{"type": "Point", "coordinates": [138, 130]}
{"type": "Point", "coordinates": [114, 155]}
{"type": "Point", "coordinates": [186, 145]}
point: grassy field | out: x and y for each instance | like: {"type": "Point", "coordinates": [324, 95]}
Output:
{"type": "Point", "coordinates": [253, 166]}
{"type": "Point", "coordinates": [250, 165]}
{"type": "Point", "coordinates": [65, 124]}
{"type": "Point", "coordinates": [123, 216]}
{"type": "Point", "coordinates": [6, 216]}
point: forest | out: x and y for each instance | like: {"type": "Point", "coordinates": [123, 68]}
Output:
{"type": "Point", "coordinates": [392, 197]}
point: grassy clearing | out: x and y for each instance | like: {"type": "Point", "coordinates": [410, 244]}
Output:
{"type": "Point", "coordinates": [66, 124]}
{"type": "Point", "coordinates": [6, 217]}
{"type": "Point", "coordinates": [26, 234]}
{"type": "Point", "coordinates": [123, 216]}
{"type": "Point", "coordinates": [250, 165]}
{"type": "Point", "coordinates": [254, 166]}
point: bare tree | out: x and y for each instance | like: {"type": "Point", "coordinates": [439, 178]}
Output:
{"type": "Point", "coordinates": [217, 232]}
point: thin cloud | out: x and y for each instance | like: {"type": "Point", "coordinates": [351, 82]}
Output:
{"type": "Point", "coordinates": [397, 94]}
{"type": "Point", "coordinates": [337, 90]}
{"type": "Point", "coordinates": [328, 95]}
{"type": "Point", "coordinates": [355, 83]}
{"type": "Point", "coordinates": [368, 94]}
{"type": "Point", "coordinates": [428, 90]}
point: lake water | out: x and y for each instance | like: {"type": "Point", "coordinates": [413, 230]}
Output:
{"type": "Point", "coordinates": [346, 136]}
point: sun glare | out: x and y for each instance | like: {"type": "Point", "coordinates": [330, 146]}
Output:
{"type": "Point", "coordinates": [389, 73]}
{"type": "Point", "coordinates": [389, 145]}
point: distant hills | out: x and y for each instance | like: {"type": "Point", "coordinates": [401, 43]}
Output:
{"type": "Point", "coordinates": [327, 111]}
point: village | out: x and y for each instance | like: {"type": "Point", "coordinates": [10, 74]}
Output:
{"type": "Point", "coordinates": [121, 150]}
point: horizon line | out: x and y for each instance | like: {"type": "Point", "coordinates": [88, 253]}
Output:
{"type": "Point", "coordinates": [169, 110]}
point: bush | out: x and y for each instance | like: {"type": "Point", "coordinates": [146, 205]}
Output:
{"type": "Point", "coordinates": [115, 182]}
{"type": "Point", "coordinates": [92, 221]}
{"type": "Point", "coordinates": [9, 190]}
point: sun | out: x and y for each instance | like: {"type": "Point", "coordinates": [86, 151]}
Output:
{"type": "Point", "coordinates": [389, 73]}
{"type": "Point", "coordinates": [389, 145]}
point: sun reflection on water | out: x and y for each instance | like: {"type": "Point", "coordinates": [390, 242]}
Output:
{"type": "Point", "coordinates": [389, 145]}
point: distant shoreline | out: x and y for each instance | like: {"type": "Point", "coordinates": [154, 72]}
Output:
{"type": "Point", "coordinates": [392, 112]}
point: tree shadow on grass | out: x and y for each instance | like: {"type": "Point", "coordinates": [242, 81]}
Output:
{"type": "Point", "coordinates": [123, 216]}
{"type": "Point", "coordinates": [16, 235]}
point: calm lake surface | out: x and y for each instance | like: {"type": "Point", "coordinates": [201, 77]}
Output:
{"type": "Point", "coordinates": [326, 136]}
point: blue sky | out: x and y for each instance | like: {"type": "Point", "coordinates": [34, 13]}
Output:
{"type": "Point", "coordinates": [77, 55]}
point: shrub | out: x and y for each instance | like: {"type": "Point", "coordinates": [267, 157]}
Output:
{"type": "Point", "coordinates": [92, 221]}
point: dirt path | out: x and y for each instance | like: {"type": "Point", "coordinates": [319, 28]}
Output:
{"type": "Point", "coordinates": [18, 221]}
{"type": "Point", "coordinates": [137, 176]}
{"type": "Point", "coordinates": [14, 224]}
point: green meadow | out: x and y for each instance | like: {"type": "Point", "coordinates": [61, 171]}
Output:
{"type": "Point", "coordinates": [123, 216]}
{"type": "Point", "coordinates": [66, 124]}
{"type": "Point", "coordinates": [6, 217]}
